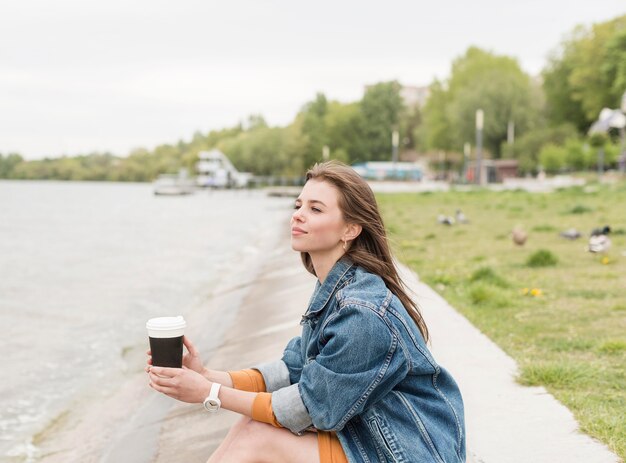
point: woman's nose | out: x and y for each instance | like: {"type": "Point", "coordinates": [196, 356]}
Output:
{"type": "Point", "coordinates": [297, 215]}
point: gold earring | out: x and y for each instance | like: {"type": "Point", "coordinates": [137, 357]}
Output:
{"type": "Point", "coordinates": [345, 244]}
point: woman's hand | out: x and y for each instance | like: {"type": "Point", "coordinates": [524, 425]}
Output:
{"type": "Point", "coordinates": [181, 384]}
{"type": "Point", "coordinates": [191, 359]}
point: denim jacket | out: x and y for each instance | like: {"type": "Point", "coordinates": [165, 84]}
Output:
{"type": "Point", "coordinates": [362, 369]}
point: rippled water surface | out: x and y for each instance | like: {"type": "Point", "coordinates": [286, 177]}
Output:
{"type": "Point", "coordinates": [83, 265]}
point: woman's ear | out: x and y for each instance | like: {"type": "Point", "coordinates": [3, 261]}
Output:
{"type": "Point", "coordinates": [352, 231]}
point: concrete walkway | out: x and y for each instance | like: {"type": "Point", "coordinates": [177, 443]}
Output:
{"type": "Point", "coordinates": [505, 422]}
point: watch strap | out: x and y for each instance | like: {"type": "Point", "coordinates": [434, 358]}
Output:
{"type": "Point", "coordinates": [212, 403]}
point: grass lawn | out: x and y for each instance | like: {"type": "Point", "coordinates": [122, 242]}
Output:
{"type": "Point", "coordinates": [565, 322]}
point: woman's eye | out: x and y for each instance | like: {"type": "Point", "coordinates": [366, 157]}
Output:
{"type": "Point", "coordinates": [297, 206]}
{"type": "Point", "coordinates": [315, 209]}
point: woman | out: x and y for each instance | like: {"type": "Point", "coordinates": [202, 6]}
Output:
{"type": "Point", "coordinates": [360, 375]}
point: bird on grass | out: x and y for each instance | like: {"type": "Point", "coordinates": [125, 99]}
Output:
{"type": "Point", "coordinates": [570, 234]}
{"type": "Point", "coordinates": [519, 236]}
{"type": "Point", "coordinates": [599, 240]}
{"type": "Point", "coordinates": [460, 217]}
{"type": "Point", "coordinates": [445, 220]}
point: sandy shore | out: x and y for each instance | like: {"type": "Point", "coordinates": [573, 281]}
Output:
{"type": "Point", "coordinates": [126, 424]}
{"type": "Point", "coordinates": [268, 317]}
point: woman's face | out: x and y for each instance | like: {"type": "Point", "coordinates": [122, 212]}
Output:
{"type": "Point", "coordinates": [317, 224]}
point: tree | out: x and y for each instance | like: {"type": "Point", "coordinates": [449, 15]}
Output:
{"type": "Point", "coordinates": [344, 128]}
{"type": "Point", "coordinates": [561, 107]}
{"type": "Point", "coordinates": [436, 130]}
{"type": "Point", "coordinates": [381, 111]}
{"type": "Point", "coordinates": [529, 145]}
{"type": "Point", "coordinates": [314, 129]}
{"type": "Point", "coordinates": [8, 164]}
{"type": "Point", "coordinates": [480, 80]}
{"type": "Point", "coordinates": [587, 73]}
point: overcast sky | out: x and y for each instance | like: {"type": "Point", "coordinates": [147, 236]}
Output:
{"type": "Point", "coordinates": [81, 76]}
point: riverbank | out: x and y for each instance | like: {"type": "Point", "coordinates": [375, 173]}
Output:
{"type": "Point", "coordinates": [83, 267]}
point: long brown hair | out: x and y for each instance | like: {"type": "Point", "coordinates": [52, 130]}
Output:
{"type": "Point", "coordinates": [370, 249]}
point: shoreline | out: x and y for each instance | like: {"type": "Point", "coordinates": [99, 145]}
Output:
{"type": "Point", "coordinates": [267, 318]}
{"type": "Point", "coordinates": [111, 427]}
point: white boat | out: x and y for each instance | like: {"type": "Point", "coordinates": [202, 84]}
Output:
{"type": "Point", "coordinates": [174, 184]}
{"type": "Point", "coordinates": [216, 171]}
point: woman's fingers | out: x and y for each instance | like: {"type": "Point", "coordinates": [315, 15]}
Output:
{"type": "Point", "coordinates": [165, 371]}
{"type": "Point", "coordinates": [163, 389]}
{"type": "Point", "coordinates": [161, 380]}
{"type": "Point", "coordinates": [189, 345]}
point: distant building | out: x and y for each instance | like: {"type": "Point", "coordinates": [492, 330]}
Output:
{"type": "Point", "coordinates": [389, 170]}
{"type": "Point", "coordinates": [415, 96]}
{"type": "Point", "coordinates": [493, 170]}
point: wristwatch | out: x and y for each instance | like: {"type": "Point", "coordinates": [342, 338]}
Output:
{"type": "Point", "coordinates": [212, 403]}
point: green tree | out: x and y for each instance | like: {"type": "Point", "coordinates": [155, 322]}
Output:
{"type": "Point", "coordinates": [381, 111]}
{"type": "Point", "coordinates": [344, 128]}
{"type": "Point", "coordinates": [8, 164]}
{"type": "Point", "coordinates": [529, 145]}
{"type": "Point", "coordinates": [435, 132]}
{"type": "Point", "coordinates": [480, 80]}
{"type": "Point", "coordinates": [586, 73]}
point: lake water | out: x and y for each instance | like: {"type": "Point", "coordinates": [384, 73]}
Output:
{"type": "Point", "coordinates": [84, 265]}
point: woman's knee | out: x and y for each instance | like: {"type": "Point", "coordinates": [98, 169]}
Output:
{"type": "Point", "coordinates": [249, 444]}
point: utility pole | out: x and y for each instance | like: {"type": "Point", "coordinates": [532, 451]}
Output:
{"type": "Point", "coordinates": [466, 155]}
{"type": "Point", "coordinates": [479, 145]}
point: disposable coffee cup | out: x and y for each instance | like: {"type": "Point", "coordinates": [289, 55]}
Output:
{"type": "Point", "coordinates": [166, 341]}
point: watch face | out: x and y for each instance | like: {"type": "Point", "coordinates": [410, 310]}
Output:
{"type": "Point", "coordinates": [212, 405]}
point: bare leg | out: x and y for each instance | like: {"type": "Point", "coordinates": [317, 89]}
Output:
{"type": "Point", "coordinates": [251, 441]}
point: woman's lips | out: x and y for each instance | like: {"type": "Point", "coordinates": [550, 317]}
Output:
{"type": "Point", "coordinates": [295, 231]}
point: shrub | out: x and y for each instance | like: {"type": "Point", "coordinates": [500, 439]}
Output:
{"type": "Point", "coordinates": [487, 275]}
{"type": "Point", "coordinates": [552, 158]}
{"type": "Point", "coordinates": [542, 258]}
{"type": "Point", "coordinates": [579, 209]}
{"type": "Point", "coordinates": [577, 157]}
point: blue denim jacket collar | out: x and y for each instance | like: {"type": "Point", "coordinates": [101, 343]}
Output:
{"type": "Point", "coordinates": [323, 292]}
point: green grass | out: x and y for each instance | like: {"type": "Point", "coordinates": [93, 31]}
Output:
{"type": "Point", "coordinates": [560, 314]}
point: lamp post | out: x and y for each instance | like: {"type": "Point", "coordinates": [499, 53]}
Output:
{"type": "Point", "coordinates": [479, 144]}
{"type": "Point", "coordinates": [395, 141]}
{"type": "Point", "coordinates": [466, 154]}
{"type": "Point", "coordinates": [325, 153]}
{"type": "Point", "coordinates": [622, 132]}
{"type": "Point", "coordinates": [510, 137]}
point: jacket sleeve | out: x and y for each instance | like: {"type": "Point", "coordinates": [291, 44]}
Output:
{"type": "Point", "coordinates": [284, 372]}
{"type": "Point", "coordinates": [360, 361]}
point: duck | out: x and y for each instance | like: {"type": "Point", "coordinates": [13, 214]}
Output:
{"type": "Point", "coordinates": [445, 220]}
{"type": "Point", "coordinates": [601, 231]}
{"type": "Point", "coordinates": [519, 236]}
{"type": "Point", "coordinates": [599, 241]}
{"type": "Point", "coordinates": [570, 234]}
{"type": "Point", "coordinates": [460, 217]}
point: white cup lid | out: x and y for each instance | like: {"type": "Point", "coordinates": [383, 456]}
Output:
{"type": "Point", "coordinates": [166, 323]}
